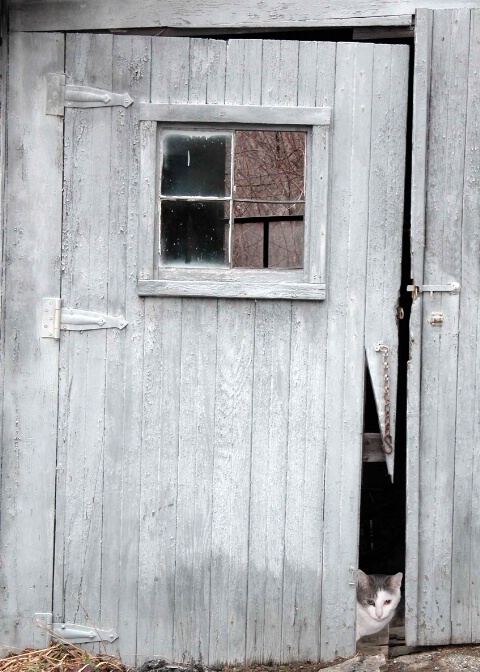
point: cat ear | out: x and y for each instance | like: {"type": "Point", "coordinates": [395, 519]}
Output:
{"type": "Point", "coordinates": [396, 581]}
{"type": "Point", "coordinates": [363, 580]}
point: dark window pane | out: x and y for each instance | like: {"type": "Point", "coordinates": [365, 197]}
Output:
{"type": "Point", "coordinates": [196, 165]}
{"type": "Point", "coordinates": [193, 233]}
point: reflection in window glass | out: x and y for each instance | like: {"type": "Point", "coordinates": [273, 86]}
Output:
{"type": "Point", "coordinates": [264, 207]}
{"type": "Point", "coordinates": [193, 233]}
{"type": "Point", "coordinates": [196, 165]}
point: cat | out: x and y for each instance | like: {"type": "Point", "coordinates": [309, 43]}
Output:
{"type": "Point", "coordinates": [378, 596]}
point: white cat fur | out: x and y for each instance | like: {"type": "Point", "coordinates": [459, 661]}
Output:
{"type": "Point", "coordinates": [373, 618]}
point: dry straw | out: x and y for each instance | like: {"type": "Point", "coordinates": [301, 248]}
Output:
{"type": "Point", "coordinates": [60, 658]}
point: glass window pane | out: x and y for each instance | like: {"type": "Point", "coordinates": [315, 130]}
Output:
{"type": "Point", "coordinates": [194, 233]}
{"type": "Point", "coordinates": [196, 164]}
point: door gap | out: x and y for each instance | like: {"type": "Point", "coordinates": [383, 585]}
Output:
{"type": "Point", "coordinates": [382, 533]}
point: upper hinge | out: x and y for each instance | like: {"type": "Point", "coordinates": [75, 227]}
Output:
{"type": "Point", "coordinates": [72, 632]}
{"type": "Point", "coordinates": [54, 318]}
{"type": "Point", "coordinates": [61, 95]}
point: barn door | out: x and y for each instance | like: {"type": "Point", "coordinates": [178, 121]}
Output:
{"type": "Point", "coordinates": [443, 538]}
{"type": "Point", "coordinates": [209, 453]}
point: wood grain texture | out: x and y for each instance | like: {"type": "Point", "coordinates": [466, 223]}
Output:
{"type": "Point", "coordinates": [76, 15]}
{"type": "Point", "coordinates": [465, 597]}
{"type": "Point", "coordinates": [83, 356]}
{"type": "Point", "coordinates": [215, 444]}
{"type": "Point", "coordinates": [448, 95]}
{"type": "Point", "coordinates": [235, 114]}
{"type": "Point", "coordinates": [101, 379]}
{"type": "Point", "coordinates": [387, 175]}
{"type": "Point", "coordinates": [124, 355]}
{"type": "Point", "coordinates": [161, 418]}
{"type": "Point", "coordinates": [304, 524]}
{"type": "Point", "coordinates": [232, 289]}
{"type": "Point", "coordinates": [270, 405]}
{"type": "Point", "coordinates": [345, 360]}
{"type": "Point", "coordinates": [421, 100]}
{"type": "Point", "coordinates": [30, 364]}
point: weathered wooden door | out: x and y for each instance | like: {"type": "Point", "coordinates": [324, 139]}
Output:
{"type": "Point", "coordinates": [443, 534]}
{"type": "Point", "coordinates": [209, 454]}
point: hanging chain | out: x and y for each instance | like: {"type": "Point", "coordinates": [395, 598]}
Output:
{"type": "Point", "coordinates": [387, 441]}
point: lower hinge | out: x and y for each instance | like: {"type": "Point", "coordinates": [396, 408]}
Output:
{"type": "Point", "coordinates": [72, 632]}
{"type": "Point", "coordinates": [54, 318]}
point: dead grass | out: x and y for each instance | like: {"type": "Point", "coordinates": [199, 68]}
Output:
{"type": "Point", "coordinates": [60, 658]}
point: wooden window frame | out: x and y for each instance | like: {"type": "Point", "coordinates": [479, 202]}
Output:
{"type": "Point", "coordinates": [307, 283]}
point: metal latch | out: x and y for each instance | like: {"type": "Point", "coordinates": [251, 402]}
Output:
{"type": "Point", "coordinates": [451, 287]}
{"type": "Point", "coordinates": [55, 318]}
{"type": "Point", "coordinates": [61, 95]}
{"type": "Point", "coordinates": [72, 632]}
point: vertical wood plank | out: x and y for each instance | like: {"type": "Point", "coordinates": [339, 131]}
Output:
{"type": "Point", "coordinates": [440, 346]}
{"type": "Point", "coordinates": [421, 96]}
{"type": "Point", "coordinates": [465, 598]}
{"type": "Point", "coordinates": [124, 355]}
{"type": "Point", "coordinates": [159, 479]}
{"type": "Point", "coordinates": [33, 215]}
{"type": "Point", "coordinates": [159, 461]}
{"type": "Point", "coordinates": [345, 359]}
{"type": "Point", "coordinates": [83, 355]}
{"type": "Point", "coordinates": [306, 453]}
{"type": "Point", "coordinates": [387, 176]}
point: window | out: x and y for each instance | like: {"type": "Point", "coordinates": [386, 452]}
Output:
{"type": "Point", "coordinates": [233, 201]}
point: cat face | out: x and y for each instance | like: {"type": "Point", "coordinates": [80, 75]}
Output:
{"type": "Point", "coordinates": [378, 594]}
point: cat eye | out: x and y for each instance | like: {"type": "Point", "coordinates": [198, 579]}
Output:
{"type": "Point", "coordinates": [387, 601]}
{"type": "Point", "coordinates": [371, 602]}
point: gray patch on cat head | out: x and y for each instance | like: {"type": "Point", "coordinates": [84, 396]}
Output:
{"type": "Point", "coordinates": [368, 585]}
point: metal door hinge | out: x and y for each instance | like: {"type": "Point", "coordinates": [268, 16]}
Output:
{"type": "Point", "coordinates": [72, 632]}
{"type": "Point", "coordinates": [451, 287]}
{"type": "Point", "coordinates": [55, 318]}
{"type": "Point", "coordinates": [61, 95]}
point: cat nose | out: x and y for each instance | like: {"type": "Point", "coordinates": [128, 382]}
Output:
{"type": "Point", "coordinates": [379, 613]}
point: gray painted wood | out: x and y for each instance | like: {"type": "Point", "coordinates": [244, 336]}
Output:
{"type": "Point", "coordinates": [347, 259]}
{"type": "Point", "coordinates": [48, 15]}
{"type": "Point", "coordinates": [124, 355]}
{"type": "Point", "coordinates": [442, 263]}
{"type": "Point", "coordinates": [236, 114]}
{"type": "Point", "coordinates": [446, 538]}
{"type": "Point", "coordinates": [421, 97]}
{"type": "Point", "coordinates": [465, 598]}
{"type": "Point", "coordinates": [33, 211]}
{"type": "Point", "coordinates": [231, 289]}
{"type": "Point", "coordinates": [83, 356]}
{"type": "Point", "coordinates": [465, 589]}
{"type": "Point", "coordinates": [270, 404]}
{"type": "Point", "coordinates": [101, 379]}
{"type": "Point", "coordinates": [304, 524]}
{"type": "Point", "coordinates": [215, 444]}
{"type": "Point", "coordinates": [387, 170]}
{"type": "Point", "coordinates": [233, 432]}
{"type": "Point", "coordinates": [161, 418]}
